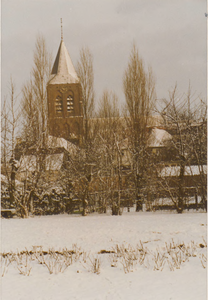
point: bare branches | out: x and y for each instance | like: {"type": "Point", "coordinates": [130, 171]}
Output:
{"type": "Point", "coordinates": [10, 118]}
{"type": "Point", "coordinates": [139, 90]}
{"type": "Point", "coordinates": [86, 74]}
{"type": "Point", "coordinates": [189, 132]}
{"type": "Point", "coordinates": [34, 98]}
{"type": "Point", "coordinates": [108, 105]}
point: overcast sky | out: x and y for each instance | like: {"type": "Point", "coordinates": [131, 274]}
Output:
{"type": "Point", "coordinates": [170, 36]}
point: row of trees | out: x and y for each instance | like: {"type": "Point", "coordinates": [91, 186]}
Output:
{"type": "Point", "coordinates": [114, 162]}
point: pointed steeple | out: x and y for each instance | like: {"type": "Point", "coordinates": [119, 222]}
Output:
{"type": "Point", "coordinates": [63, 70]}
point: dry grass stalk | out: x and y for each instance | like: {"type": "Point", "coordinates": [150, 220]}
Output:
{"type": "Point", "coordinates": [5, 262]}
{"type": "Point", "coordinates": [159, 260]}
{"type": "Point", "coordinates": [94, 264]}
{"type": "Point", "coordinates": [203, 259]}
{"type": "Point", "coordinates": [23, 263]}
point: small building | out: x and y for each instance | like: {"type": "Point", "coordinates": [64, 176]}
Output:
{"type": "Point", "coordinates": [51, 159]}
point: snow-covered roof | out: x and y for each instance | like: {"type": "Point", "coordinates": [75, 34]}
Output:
{"type": "Point", "coordinates": [27, 163]}
{"type": "Point", "coordinates": [189, 170]}
{"type": "Point", "coordinates": [63, 70]}
{"type": "Point", "coordinates": [57, 142]}
{"type": "Point", "coordinates": [4, 180]}
{"type": "Point", "coordinates": [53, 162]}
{"type": "Point", "coordinates": [158, 137]}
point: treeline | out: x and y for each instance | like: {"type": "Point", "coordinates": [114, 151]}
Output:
{"type": "Point", "coordinates": [115, 166]}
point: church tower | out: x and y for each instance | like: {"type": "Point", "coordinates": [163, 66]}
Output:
{"type": "Point", "coordinates": [65, 114]}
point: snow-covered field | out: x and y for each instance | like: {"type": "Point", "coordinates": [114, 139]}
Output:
{"type": "Point", "coordinates": [93, 233]}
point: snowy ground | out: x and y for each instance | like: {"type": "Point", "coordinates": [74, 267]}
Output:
{"type": "Point", "coordinates": [103, 232]}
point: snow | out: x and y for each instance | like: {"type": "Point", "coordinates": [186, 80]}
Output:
{"type": "Point", "coordinates": [158, 138]}
{"type": "Point", "coordinates": [4, 180]}
{"type": "Point", "coordinates": [189, 170]}
{"type": "Point", "coordinates": [54, 161]}
{"type": "Point", "coordinates": [94, 233]}
{"type": "Point", "coordinates": [55, 142]}
{"type": "Point", "coordinates": [27, 163]}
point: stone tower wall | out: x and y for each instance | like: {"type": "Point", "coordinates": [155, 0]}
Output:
{"type": "Point", "coordinates": [65, 115]}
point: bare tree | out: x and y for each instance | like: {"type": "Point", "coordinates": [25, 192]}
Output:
{"type": "Point", "coordinates": [4, 135]}
{"type": "Point", "coordinates": [108, 105]}
{"type": "Point", "coordinates": [34, 116]}
{"type": "Point", "coordinates": [10, 126]}
{"type": "Point", "coordinates": [139, 90]}
{"type": "Point", "coordinates": [108, 116]}
{"type": "Point", "coordinates": [109, 129]}
{"type": "Point", "coordinates": [41, 72]}
{"type": "Point", "coordinates": [34, 107]}
{"type": "Point", "coordinates": [199, 148]}
{"type": "Point", "coordinates": [189, 133]}
{"type": "Point", "coordinates": [86, 74]}
{"type": "Point", "coordinates": [34, 99]}
{"type": "Point", "coordinates": [79, 171]}
{"type": "Point", "coordinates": [30, 116]}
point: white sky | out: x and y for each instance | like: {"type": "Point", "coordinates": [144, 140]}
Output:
{"type": "Point", "coordinates": [170, 35]}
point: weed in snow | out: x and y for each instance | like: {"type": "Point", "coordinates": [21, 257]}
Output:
{"type": "Point", "coordinates": [159, 260]}
{"type": "Point", "coordinates": [173, 254]}
{"type": "Point", "coordinates": [113, 260]}
{"type": "Point", "coordinates": [23, 261]}
{"type": "Point", "coordinates": [5, 262]}
{"type": "Point", "coordinates": [203, 260]}
{"type": "Point", "coordinates": [93, 264]}
{"type": "Point", "coordinates": [76, 252]}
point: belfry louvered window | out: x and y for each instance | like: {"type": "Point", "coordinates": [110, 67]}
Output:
{"type": "Point", "coordinates": [70, 103]}
{"type": "Point", "coordinates": [59, 104]}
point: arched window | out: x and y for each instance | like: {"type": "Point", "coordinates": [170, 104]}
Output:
{"type": "Point", "coordinates": [70, 103]}
{"type": "Point", "coordinates": [59, 104]}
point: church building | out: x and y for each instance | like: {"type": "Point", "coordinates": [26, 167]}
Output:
{"type": "Point", "coordinates": [64, 95]}
{"type": "Point", "coordinates": [65, 121]}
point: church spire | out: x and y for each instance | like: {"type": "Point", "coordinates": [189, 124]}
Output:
{"type": "Point", "coordinates": [64, 96]}
{"type": "Point", "coordinates": [61, 30]}
{"type": "Point", "coordinates": [63, 70]}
